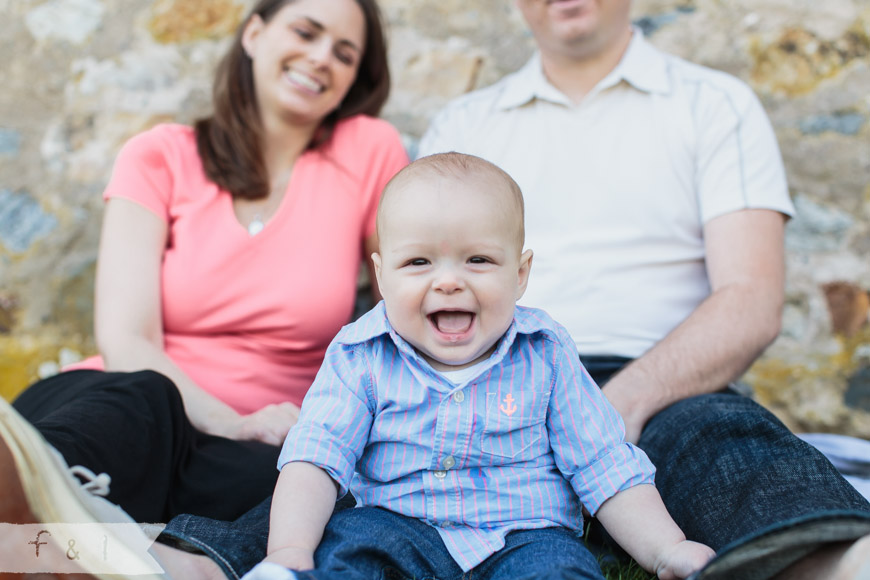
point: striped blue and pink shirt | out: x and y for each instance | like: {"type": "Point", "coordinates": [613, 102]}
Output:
{"type": "Point", "coordinates": [520, 444]}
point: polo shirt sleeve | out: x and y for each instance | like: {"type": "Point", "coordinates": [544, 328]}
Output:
{"type": "Point", "coordinates": [739, 165]}
{"type": "Point", "coordinates": [587, 435]}
{"type": "Point", "coordinates": [336, 417]}
{"type": "Point", "coordinates": [142, 172]}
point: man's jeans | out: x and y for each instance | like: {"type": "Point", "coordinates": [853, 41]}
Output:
{"type": "Point", "coordinates": [731, 474]}
{"type": "Point", "coordinates": [735, 478]}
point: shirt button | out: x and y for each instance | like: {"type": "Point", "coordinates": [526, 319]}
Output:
{"type": "Point", "coordinates": [448, 462]}
{"type": "Point", "coordinates": [446, 524]}
{"type": "Point", "coordinates": [458, 396]}
{"type": "Point", "coordinates": [440, 474]}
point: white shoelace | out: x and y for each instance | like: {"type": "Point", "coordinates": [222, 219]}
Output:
{"type": "Point", "coordinates": [91, 482]}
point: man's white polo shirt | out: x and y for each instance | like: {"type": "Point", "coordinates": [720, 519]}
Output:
{"type": "Point", "coordinates": [619, 186]}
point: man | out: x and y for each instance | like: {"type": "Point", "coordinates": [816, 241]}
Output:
{"type": "Point", "coordinates": [656, 204]}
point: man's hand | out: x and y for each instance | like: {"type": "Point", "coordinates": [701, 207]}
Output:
{"type": "Point", "coordinates": [632, 410]}
{"type": "Point", "coordinates": [637, 397]}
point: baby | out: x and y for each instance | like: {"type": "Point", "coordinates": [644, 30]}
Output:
{"type": "Point", "coordinates": [467, 427]}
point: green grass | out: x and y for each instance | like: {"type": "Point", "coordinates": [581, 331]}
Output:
{"type": "Point", "coordinates": [625, 571]}
{"type": "Point", "coordinates": [619, 567]}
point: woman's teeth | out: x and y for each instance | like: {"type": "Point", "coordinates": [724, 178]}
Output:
{"type": "Point", "coordinates": [305, 81]}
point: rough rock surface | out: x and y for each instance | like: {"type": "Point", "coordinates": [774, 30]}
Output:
{"type": "Point", "coordinates": [81, 76]}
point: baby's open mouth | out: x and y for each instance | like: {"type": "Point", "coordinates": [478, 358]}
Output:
{"type": "Point", "coordinates": [452, 321]}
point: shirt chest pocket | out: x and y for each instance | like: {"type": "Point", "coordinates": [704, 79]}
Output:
{"type": "Point", "coordinates": [515, 421]}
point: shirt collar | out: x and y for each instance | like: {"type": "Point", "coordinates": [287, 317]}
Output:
{"type": "Point", "coordinates": [371, 324]}
{"type": "Point", "coordinates": [527, 84]}
{"type": "Point", "coordinates": [374, 324]}
{"type": "Point", "coordinates": [642, 66]}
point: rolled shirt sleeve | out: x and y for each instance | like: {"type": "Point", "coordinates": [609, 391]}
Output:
{"type": "Point", "coordinates": [336, 417]}
{"type": "Point", "coordinates": [587, 435]}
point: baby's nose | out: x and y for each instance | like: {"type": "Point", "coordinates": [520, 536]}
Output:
{"type": "Point", "coordinates": [448, 281]}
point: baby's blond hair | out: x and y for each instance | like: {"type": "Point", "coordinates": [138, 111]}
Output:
{"type": "Point", "coordinates": [460, 167]}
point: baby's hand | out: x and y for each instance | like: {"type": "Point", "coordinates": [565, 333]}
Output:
{"type": "Point", "coordinates": [681, 560]}
{"type": "Point", "coordinates": [292, 558]}
{"type": "Point", "coordinates": [278, 564]}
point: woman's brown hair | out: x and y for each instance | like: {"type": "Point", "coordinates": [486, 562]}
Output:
{"type": "Point", "coordinates": [230, 140]}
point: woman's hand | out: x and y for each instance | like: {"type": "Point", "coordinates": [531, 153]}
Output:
{"type": "Point", "coordinates": [129, 324]}
{"type": "Point", "coordinates": [269, 425]}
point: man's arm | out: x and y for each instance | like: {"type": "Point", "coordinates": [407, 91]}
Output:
{"type": "Point", "coordinates": [725, 334]}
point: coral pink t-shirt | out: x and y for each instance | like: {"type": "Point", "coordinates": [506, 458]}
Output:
{"type": "Point", "coordinates": [249, 318]}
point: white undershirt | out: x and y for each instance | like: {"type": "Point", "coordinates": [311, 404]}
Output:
{"type": "Point", "coordinates": [459, 376]}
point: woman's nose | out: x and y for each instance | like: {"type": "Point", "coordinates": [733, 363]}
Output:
{"type": "Point", "coordinates": [320, 52]}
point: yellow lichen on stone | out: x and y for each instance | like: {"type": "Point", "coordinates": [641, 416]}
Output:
{"type": "Point", "coordinates": [19, 364]}
{"type": "Point", "coordinates": [769, 377]}
{"type": "Point", "coordinates": [798, 60]}
{"type": "Point", "coordinates": [808, 396]}
{"type": "Point", "coordinates": [175, 21]}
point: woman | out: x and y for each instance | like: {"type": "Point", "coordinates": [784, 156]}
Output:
{"type": "Point", "coordinates": [228, 260]}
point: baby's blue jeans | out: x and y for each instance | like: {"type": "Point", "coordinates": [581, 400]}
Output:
{"type": "Point", "coordinates": [372, 543]}
{"type": "Point", "coordinates": [731, 474]}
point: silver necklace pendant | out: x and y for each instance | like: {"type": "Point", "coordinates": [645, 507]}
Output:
{"type": "Point", "coordinates": [256, 226]}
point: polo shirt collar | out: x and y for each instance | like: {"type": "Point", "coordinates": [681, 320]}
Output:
{"type": "Point", "coordinates": [642, 66]}
{"type": "Point", "coordinates": [527, 84]}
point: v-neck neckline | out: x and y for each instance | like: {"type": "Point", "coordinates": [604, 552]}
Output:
{"type": "Point", "coordinates": [273, 220]}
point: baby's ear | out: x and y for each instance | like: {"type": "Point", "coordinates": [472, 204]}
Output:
{"type": "Point", "coordinates": [376, 261]}
{"type": "Point", "coordinates": [523, 273]}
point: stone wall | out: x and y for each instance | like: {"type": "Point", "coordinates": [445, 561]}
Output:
{"type": "Point", "coordinates": [81, 76]}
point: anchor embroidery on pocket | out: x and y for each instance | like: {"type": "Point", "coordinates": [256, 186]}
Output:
{"type": "Point", "coordinates": [508, 407]}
